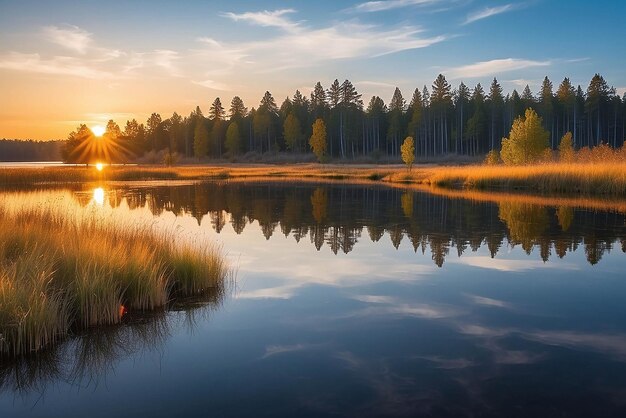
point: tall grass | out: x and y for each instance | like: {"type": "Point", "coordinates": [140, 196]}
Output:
{"type": "Point", "coordinates": [607, 178]}
{"type": "Point", "coordinates": [599, 171]}
{"type": "Point", "coordinates": [63, 266]}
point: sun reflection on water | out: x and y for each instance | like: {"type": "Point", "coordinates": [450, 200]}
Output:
{"type": "Point", "coordinates": [98, 196]}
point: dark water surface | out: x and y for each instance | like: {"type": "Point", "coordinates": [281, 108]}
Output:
{"type": "Point", "coordinates": [356, 301]}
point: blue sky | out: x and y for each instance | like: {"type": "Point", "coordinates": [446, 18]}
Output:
{"type": "Point", "coordinates": [68, 61]}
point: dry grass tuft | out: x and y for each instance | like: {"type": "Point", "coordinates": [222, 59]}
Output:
{"type": "Point", "coordinates": [65, 266]}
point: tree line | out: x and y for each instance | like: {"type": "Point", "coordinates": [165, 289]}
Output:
{"type": "Point", "coordinates": [19, 150]}
{"type": "Point", "coordinates": [441, 120]}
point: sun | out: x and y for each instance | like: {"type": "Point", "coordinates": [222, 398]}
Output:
{"type": "Point", "coordinates": [98, 130]}
{"type": "Point", "coordinates": [99, 166]}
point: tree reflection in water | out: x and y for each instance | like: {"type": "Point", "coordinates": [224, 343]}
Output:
{"type": "Point", "coordinates": [334, 215]}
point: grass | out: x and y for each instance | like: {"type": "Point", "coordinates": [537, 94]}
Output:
{"type": "Point", "coordinates": [65, 267]}
{"type": "Point", "coordinates": [592, 177]}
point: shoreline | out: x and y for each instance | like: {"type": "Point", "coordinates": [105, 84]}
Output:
{"type": "Point", "coordinates": [558, 179]}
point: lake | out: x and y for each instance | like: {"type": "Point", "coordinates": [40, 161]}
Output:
{"type": "Point", "coordinates": [355, 300]}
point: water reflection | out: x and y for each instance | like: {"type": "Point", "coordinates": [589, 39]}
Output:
{"type": "Point", "coordinates": [98, 196]}
{"type": "Point", "coordinates": [86, 359]}
{"type": "Point", "coordinates": [335, 314]}
{"type": "Point", "coordinates": [338, 216]}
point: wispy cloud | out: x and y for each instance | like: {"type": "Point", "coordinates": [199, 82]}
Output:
{"type": "Point", "coordinates": [485, 68]}
{"type": "Point", "coordinates": [341, 41]}
{"type": "Point", "coordinates": [510, 265]}
{"type": "Point", "coordinates": [213, 85]}
{"type": "Point", "coordinates": [582, 59]}
{"type": "Point", "coordinates": [485, 301]}
{"type": "Point", "coordinates": [69, 66]}
{"type": "Point", "coordinates": [267, 18]}
{"type": "Point", "coordinates": [69, 37]}
{"type": "Point", "coordinates": [375, 84]}
{"type": "Point", "coordinates": [379, 6]}
{"type": "Point", "coordinates": [522, 82]}
{"type": "Point", "coordinates": [488, 12]}
{"type": "Point", "coordinates": [167, 60]}
{"type": "Point", "coordinates": [273, 350]}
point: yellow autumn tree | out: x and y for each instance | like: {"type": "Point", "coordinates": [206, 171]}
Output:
{"type": "Point", "coordinates": [408, 151]}
{"type": "Point", "coordinates": [566, 148]}
{"type": "Point", "coordinates": [318, 140]}
{"type": "Point", "coordinates": [527, 140]}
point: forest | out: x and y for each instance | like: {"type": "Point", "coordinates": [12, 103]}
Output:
{"type": "Point", "coordinates": [18, 150]}
{"type": "Point", "coordinates": [441, 119]}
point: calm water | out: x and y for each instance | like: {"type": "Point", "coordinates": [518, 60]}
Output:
{"type": "Point", "coordinates": [356, 301]}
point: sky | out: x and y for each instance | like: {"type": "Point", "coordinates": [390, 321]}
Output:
{"type": "Point", "coordinates": [68, 62]}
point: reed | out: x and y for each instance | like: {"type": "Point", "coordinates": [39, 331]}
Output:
{"type": "Point", "coordinates": [65, 267]}
{"type": "Point", "coordinates": [590, 179]}
{"type": "Point", "coordinates": [600, 171]}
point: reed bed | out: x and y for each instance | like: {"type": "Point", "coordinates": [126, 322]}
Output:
{"type": "Point", "coordinates": [590, 179]}
{"type": "Point", "coordinates": [596, 172]}
{"type": "Point", "coordinates": [65, 267]}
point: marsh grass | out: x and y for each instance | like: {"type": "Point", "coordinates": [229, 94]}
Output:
{"type": "Point", "coordinates": [65, 267]}
{"type": "Point", "coordinates": [600, 171]}
{"type": "Point", "coordinates": [590, 179]}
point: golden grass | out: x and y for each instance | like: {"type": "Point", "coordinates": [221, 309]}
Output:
{"type": "Point", "coordinates": [589, 179]}
{"type": "Point", "coordinates": [594, 177]}
{"type": "Point", "coordinates": [65, 266]}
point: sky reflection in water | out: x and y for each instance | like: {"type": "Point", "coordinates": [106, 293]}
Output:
{"type": "Point", "coordinates": [357, 301]}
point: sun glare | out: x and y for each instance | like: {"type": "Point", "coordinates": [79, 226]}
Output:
{"type": "Point", "coordinates": [98, 196]}
{"type": "Point", "coordinates": [99, 166]}
{"type": "Point", "coordinates": [98, 130]}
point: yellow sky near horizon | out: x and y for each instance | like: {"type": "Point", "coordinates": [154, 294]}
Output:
{"type": "Point", "coordinates": [49, 107]}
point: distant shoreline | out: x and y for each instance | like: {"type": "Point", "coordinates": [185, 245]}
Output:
{"type": "Point", "coordinates": [592, 179]}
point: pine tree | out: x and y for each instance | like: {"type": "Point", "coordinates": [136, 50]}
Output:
{"type": "Point", "coordinates": [441, 102]}
{"type": "Point", "coordinates": [375, 113]}
{"type": "Point", "coordinates": [200, 139]}
{"type": "Point", "coordinates": [396, 112]}
{"type": "Point", "coordinates": [265, 119]}
{"type": "Point", "coordinates": [318, 101]}
{"type": "Point", "coordinates": [350, 104]}
{"type": "Point", "coordinates": [496, 103]}
{"type": "Point", "coordinates": [476, 125]}
{"type": "Point", "coordinates": [292, 132]}
{"type": "Point", "coordinates": [233, 139]}
{"type": "Point", "coordinates": [566, 95]}
{"type": "Point", "coordinates": [461, 102]}
{"type": "Point", "coordinates": [237, 110]}
{"type": "Point", "coordinates": [415, 109]}
{"type": "Point", "coordinates": [597, 95]}
{"type": "Point", "coordinates": [528, 99]}
{"type": "Point", "coordinates": [546, 106]}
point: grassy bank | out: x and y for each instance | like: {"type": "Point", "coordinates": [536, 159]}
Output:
{"type": "Point", "coordinates": [64, 267]}
{"type": "Point", "coordinates": [593, 178]}
{"type": "Point", "coordinates": [589, 179]}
